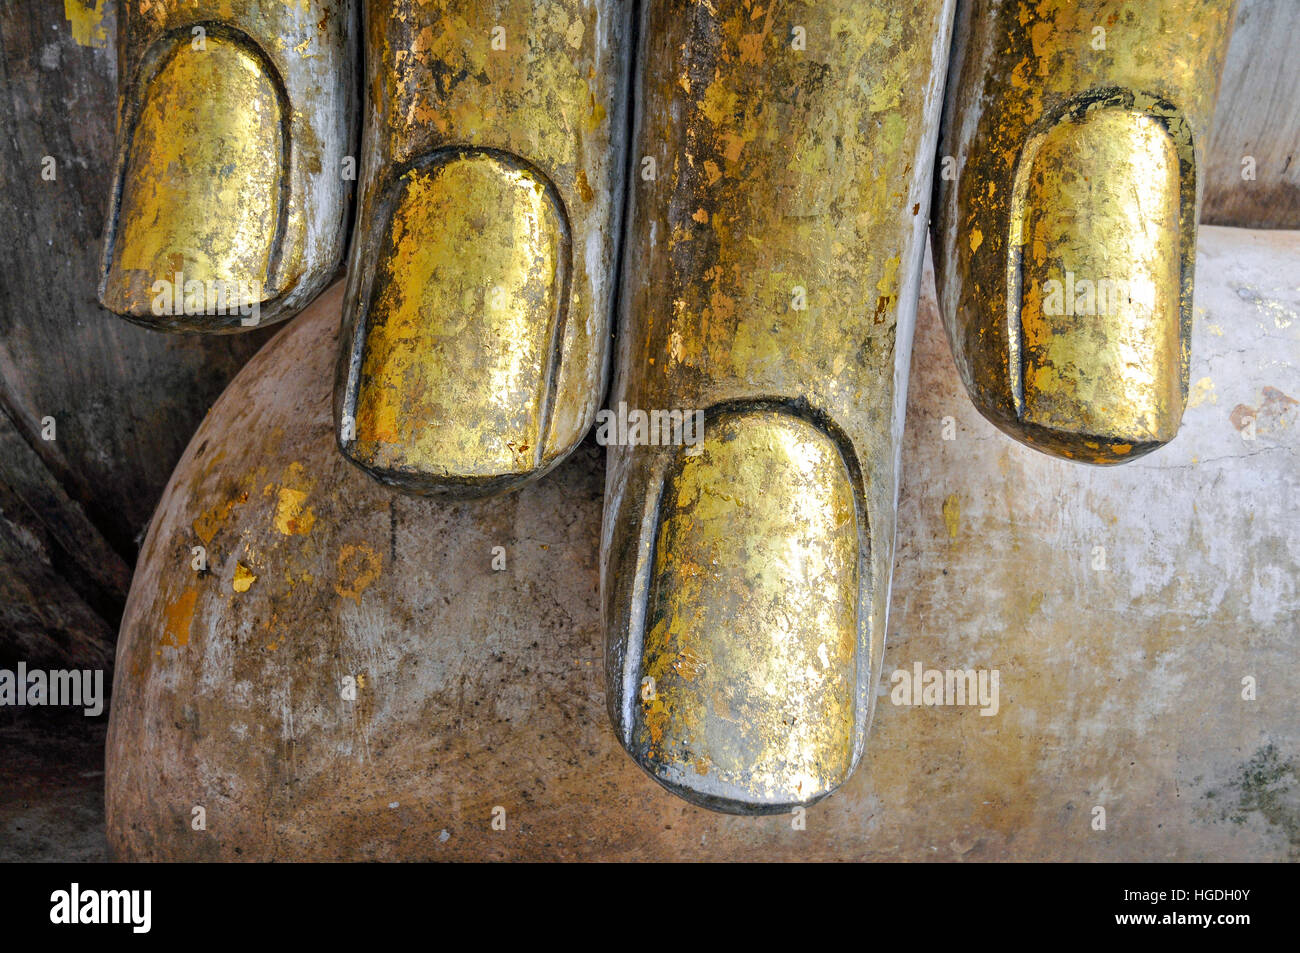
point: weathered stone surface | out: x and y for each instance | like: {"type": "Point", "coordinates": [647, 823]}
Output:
{"type": "Point", "coordinates": [1252, 176]}
{"type": "Point", "coordinates": [51, 787]}
{"type": "Point", "coordinates": [1119, 687]}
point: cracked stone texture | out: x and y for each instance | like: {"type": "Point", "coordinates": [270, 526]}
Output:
{"type": "Point", "coordinates": [1120, 687]}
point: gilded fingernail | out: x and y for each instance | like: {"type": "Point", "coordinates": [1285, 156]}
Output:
{"type": "Point", "coordinates": [458, 356]}
{"type": "Point", "coordinates": [1100, 303]}
{"type": "Point", "coordinates": [197, 218]}
{"type": "Point", "coordinates": [749, 664]}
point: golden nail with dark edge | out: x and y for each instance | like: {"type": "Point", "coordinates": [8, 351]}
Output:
{"type": "Point", "coordinates": [235, 127]}
{"type": "Point", "coordinates": [477, 316]}
{"type": "Point", "coordinates": [772, 267]}
{"type": "Point", "coordinates": [1065, 231]}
